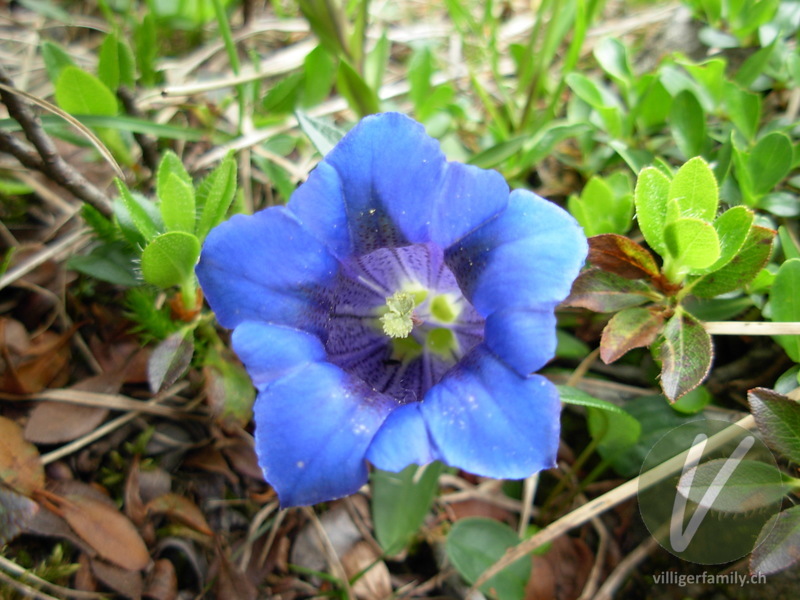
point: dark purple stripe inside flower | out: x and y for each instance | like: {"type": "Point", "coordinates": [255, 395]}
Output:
{"type": "Point", "coordinates": [394, 311]}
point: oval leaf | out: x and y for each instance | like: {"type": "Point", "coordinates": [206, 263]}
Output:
{"type": "Point", "coordinates": [170, 259]}
{"type": "Point", "coordinates": [650, 199]}
{"type": "Point", "coordinates": [474, 544]}
{"type": "Point", "coordinates": [177, 204]}
{"type": "Point", "coordinates": [602, 291]}
{"type": "Point", "coordinates": [106, 530]}
{"type": "Point", "coordinates": [778, 420]}
{"type": "Point", "coordinates": [181, 509]}
{"type": "Point", "coordinates": [170, 359]}
{"type": "Point", "coordinates": [776, 548]}
{"type": "Point", "coordinates": [752, 485]}
{"type": "Point", "coordinates": [692, 243]}
{"type": "Point", "coordinates": [742, 269]}
{"type": "Point", "coordinates": [785, 302]}
{"type": "Point", "coordinates": [688, 124]}
{"type": "Point", "coordinates": [694, 190]}
{"type": "Point", "coordinates": [628, 329]}
{"type": "Point", "coordinates": [400, 503]}
{"type": "Point", "coordinates": [770, 161]}
{"type": "Point", "coordinates": [620, 255]}
{"type": "Point", "coordinates": [215, 195]}
{"type": "Point", "coordinates": [686, 355]}
{"type": "Point", "coordinates": [80, 93]}
{"type": "Point", "coordinates": [20, 466]}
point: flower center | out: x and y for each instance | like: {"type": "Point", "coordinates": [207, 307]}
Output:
{"type": "Point", "coordinates": [399, 320]}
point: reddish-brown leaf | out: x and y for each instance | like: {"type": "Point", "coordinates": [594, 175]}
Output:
{"type": "Point", "coordinates": [106, 530]}
{"type": "Point", "coordinates": [628, 329]}
{"type": "Point", "coordinates": [20, 466]}
{"type": "Point", "coordinates": [43, 364]}
{"type": "Point", "coordinates": [620, 255]}
{"type": "Point", "coordinates": [182, 509]}
{"type": "Point", "coordinates": [603, 291]}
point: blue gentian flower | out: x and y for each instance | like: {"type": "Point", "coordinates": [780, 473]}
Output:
{"type": "Point", "coordinates": [394, 311]}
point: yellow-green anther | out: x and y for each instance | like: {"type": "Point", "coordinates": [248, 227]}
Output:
{"type": "Point", "coordinates": [398, 322]}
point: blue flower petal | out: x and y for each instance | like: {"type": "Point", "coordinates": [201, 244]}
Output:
{"type": "Point", "coordinates": [402, 440]}
{"type": "Point", "coordinates": [486, 419]}
{"type": "Point", "coordinates": [526, 257]}
{"type": "Point", "coordinates": [313, 428]}
{"type": "Point", "coordinates": [266, 267]}
{"type": "Point", "coordinates": [270, 352]}
{"type": "Point", "coordinates": [524, 339]}
{"type": "Point", "coordinates": [387, 184]}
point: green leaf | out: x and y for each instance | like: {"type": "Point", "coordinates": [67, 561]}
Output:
{"type": "Point", "coordinates": [693, 402]}
{"type": "Point", "coordinates": [327, 22]}
{"type": "Point", "coordinates": [618, 254]}
{"type": "Point", "coordinates": [600, 210]}
{"type": "Point", "coordinates": [577, 397]}
{"type": "Point", "coordinates": [744, 109]}
{"type": "Point", "coordinates": [323, 135]}
{"type": "Point", "coordinates": [650, 198]}
{"type": "Point", "coordinates": [732, 228]}
{"type": "Point", "coordinates": [752, 485]}
{"type": "Point", "coordinates": [109, 262]}
{"type": "Point", "coordinates": [602, 291]}
{"type": "Point", "coordinates": [135, 213]}
{"type": "Point", "coordinates": [215, 195]}
{"type": "Point", "coordinates": [770, 161]}
{"type": "Point", "coordinates": [361, 98]}
{"type": "Point", "coordinates": [375, 62]}
{"type": "Point", "coordinates": [778, 420]}
{"type": "Point", "coordinates": [612, 57]}
{"type": "Point", "coordinates": [754, 66]}
{"type": "Point", "coordinates": [776, 547]}
{"type": "Point", "coordinates": [628, 329]}
{"type": "Point", "coordinates": [693, 192]}
{"type": "Point", "coordinates": [419, 73]}
{"type": "Point", "coordinates": [170, 359]}
{"type": "Point", "coordinates": [686, 355]}
{"type": "Point", "coordinates": [692, 243]}
{"type": "Point", "coordinates": [319, 68]}
{"type": "Point", "coordinates": [780, 204]}
{"type": "Point", "coordinates": [55, 59]}
{"type": "Point", "coordinates": [171, 164]}
{"type": "Point", "coordinates": [741, 270]}
{"type": "Point", "coordinates": [116, 64]}
{"type": "Point", "coordinates": [785, 304]}
{"type": "Point", "coordinates": [400, 503]}
{"type": "Point", "coordinates": [80, 93]}
{"type": "Point", "coordinates": [228, 386]}
{"type": "Point", "coordinates": [169, 259]}
{"type": "Point", "coordinates": [688, 123]}
{"type": "Point", "coordinates": [586, 89]}
{"type": "Point", "coordinates": [177, 203]}
{"type": "Point", "coordinates": [284, 96]}
{"type": "Point", "coordinates": [474, 544]}
{"type": "Point", "coordinates": [789, 244]}
{"type": "Point", "coordinates": [615, 431]}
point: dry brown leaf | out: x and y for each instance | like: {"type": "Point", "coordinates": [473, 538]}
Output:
{"type": "Point", "coordinates": [14, 336]}
{"type": "Point", "coordinates": [242, 456]}
{"type": "Point", "coordinates": [374, 584]}
{"type": "Point", "coordinates": [106, 530]}
{"type": "Point", "coordinates": [59, 422]}
{"type": "Point", "coordinates": [16, 512]}
{"type": "Point", "coordinates": [20, 466]}
{"type": "Point", "coordinates": [231, 582]}
{"type": "Point", "coordinates": [162, 584]}
{"type": "Point", "coordinates": [126, 583]}
{"type": "Point", "coordinates": [210, 459]}
{"type": "Point", "coordinates": [182, 509]}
